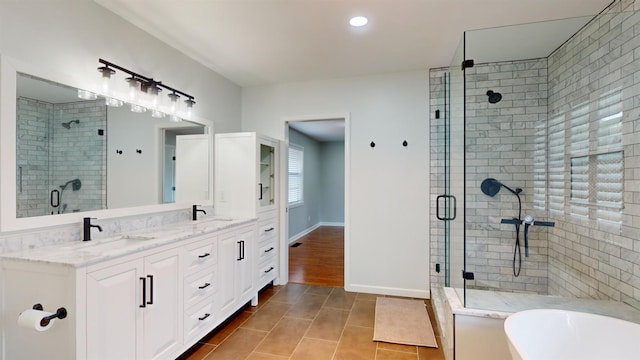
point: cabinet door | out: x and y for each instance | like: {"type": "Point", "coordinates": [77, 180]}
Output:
{"type": "Point", "coordinates": [114, 315]}
{"type": "Point", "coordinates": [229, 252]}
{"type": "Point", "coordinates": [162, 322]}
{"type": "Point", "coordinates": [244, 268]}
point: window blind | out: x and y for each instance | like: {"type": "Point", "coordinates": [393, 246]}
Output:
{"type": "Point", "coordinates": [296, 175]}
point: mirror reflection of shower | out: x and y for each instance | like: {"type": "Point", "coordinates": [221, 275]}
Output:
{"type": "Point", "coordinates": [67, 125]}
{"type": "Point", "coordinates": [57, 196]}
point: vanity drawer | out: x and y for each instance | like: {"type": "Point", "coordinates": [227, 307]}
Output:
{"type": "Point", "coordinates": [267, 230]}
{"type": "Point", "coordinates": [266, 251]}
{"type": "Point", "coordinates": [199, 286]}
{"type": "Point", "coordinates": [267, 271]}
{"type": "Point", "coordinates": [200, 254]}
{"type": "Point", "coordinates": [199, 320]}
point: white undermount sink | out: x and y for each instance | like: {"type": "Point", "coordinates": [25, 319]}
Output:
{"type": "Point", "coordinates": [120, 242]}
{"type": "Point", "coordinates": [549, 334]}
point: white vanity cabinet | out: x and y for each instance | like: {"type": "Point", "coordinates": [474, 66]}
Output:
{"type": "Point", "coordinates": [140, 298]}
{"type": "Point", "coordinates": [153, 303]}
{"type": "Point", "coordinates": [237, 285]}
{"type": "Point", "coordinates": [247, 181]}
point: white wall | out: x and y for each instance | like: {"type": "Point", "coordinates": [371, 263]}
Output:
{"type": "Point", "coordinates": [387, 222]}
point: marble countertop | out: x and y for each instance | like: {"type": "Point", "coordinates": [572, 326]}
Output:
{"type": "Point", "coordinates": [83, 253]}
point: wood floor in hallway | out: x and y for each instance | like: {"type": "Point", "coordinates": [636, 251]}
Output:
{"type": "Point", "coordinates": [319, 259]}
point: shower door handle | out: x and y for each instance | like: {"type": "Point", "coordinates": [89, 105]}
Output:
{"type": "Point", "coordinates": [447, 198]}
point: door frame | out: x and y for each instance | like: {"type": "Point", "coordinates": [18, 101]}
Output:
{"type": "Point", "coordinates": [284, 193]}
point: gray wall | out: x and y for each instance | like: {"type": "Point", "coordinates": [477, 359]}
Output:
{"type": "Point", "coordinates": [323, 191]}
{"type": "Point", "coordinates": [332, 182]}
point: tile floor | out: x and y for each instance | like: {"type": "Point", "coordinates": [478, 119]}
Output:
{"type": "Point", "coordinates": [308, 322]}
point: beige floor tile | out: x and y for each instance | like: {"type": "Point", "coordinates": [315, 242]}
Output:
{"type": "Point", "coordinates": [362, 314]}
{"type": "Point", "coordinates": [227, 330]}
{"type": "Point", "coordinates": [237, 346]}
{"type": "Point", "coordinates": [368, 297]}
{"type": "Point", "coordinates": [428, 353]}
{"type": "Point", "coordinates": [383, 354]}
{"type": "Point", "coordinates": [398, 347]}
{"type": "Point", "coordinates": [319, 290]}
{"type": "Point", "coordinates": [267, 317]}
{"type": "Point", "coordinates": [284, 338]}
{"type": "Point", "coordinates": [314, 349]}
{"type": "Point", "coordinates": [340, 299]}
{"type": "Point", "coordinates": [262, 356]}
{"type": "Point", "coordinates": [356, 344]}
{"type": "Point", "coordinates": [202, 352]}
{"type": "Point", "coordinates": [307, 306]}
{"type": "Point", "coordinates": [290, 293]}
{"type": "Point", "coordinates": [328, 325]}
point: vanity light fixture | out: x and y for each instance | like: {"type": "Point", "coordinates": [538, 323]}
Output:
{"type": "Point", "coordinates": [173, 97]}
{"type": "Point", "coordinates": [139, 84]}
{"type": "Point", "coordinates": [358, 21]}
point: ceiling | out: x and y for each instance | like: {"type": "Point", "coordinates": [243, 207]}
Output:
{"type": "Point", "coordinates": [321, 130]}
{"type": "Point", "coordinates": [258, 42]}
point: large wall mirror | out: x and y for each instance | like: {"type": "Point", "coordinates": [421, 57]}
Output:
{"type": "Point", "coordinates": [74, 157]}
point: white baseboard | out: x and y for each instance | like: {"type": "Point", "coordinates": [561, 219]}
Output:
{"type": "Point", "coordinates": [331, 224]}
{"type": "Point", "coordinates": [310, 229]}
{"type": "Point", "coordinates": [303, 233]}
{"type": "Point", "coordinates": [381, 290]}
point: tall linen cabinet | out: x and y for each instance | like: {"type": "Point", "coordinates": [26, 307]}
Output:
{"type": "Point", "coordinates": [246, 183]}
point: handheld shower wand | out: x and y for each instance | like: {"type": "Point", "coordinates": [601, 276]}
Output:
{"type": "Point", "coordinates": [491, 187]}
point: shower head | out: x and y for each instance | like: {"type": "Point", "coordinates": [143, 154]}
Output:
{"type": "Point", "coordinates": [491, 187]}
{"type": "Point", "coordinates": [75, 185]}
{"type": "Point", "coordinates": [67, 125]}
{"type": "Point", "coordinates": [494, 97]}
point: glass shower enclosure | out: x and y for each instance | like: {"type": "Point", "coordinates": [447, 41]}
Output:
{"type": "Point", "coordinates": [528, 160]}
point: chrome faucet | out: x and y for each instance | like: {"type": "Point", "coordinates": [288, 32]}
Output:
{"type": "Point", "coordinates": [194, 212]}
{"type": "Point", "coordinates": [87, 228]}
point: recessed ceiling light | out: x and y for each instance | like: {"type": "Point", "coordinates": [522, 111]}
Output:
{"type": "Point", "coordinates": [358, 21]}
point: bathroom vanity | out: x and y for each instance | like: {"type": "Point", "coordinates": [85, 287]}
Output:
{"type": "Point", "coordinates": [148, 295]}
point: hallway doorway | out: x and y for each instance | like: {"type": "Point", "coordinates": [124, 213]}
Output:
{"type": "Point", "coordinates": [316, 217]}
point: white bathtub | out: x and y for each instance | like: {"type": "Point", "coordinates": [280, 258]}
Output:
{"type": "Point", "coordinates": [550, 334]}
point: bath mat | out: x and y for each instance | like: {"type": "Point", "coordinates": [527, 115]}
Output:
{"type": "Point", "coordinates": [402, 321]}
{"type": "Point", "coordinates": [296, 244]}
